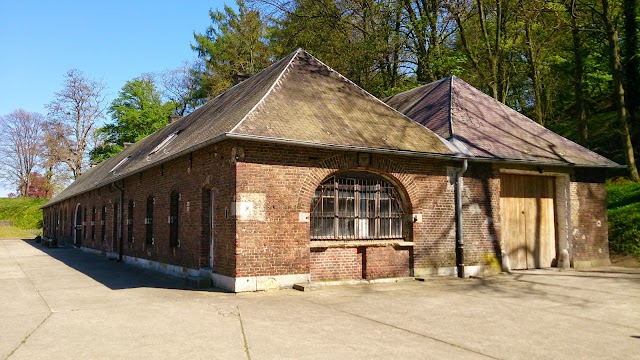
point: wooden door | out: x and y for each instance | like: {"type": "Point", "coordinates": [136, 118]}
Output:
{"type": "Point", "coordinates": [527, 206]}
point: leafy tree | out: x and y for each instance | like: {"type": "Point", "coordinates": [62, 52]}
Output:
{"type": "Point", "coordinates": [137, 112]}
{"type": "Point", "coordinates": [234, 44]}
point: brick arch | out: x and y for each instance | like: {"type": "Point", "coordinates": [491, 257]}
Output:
{"type": "Point", "coordinates": [379, 164]}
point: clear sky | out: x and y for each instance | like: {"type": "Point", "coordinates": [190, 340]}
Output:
{"type": "Point", "coordinates": [113, 41]}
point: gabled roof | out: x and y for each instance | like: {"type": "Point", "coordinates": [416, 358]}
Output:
{"type": "Point", "coordinates": [296, 100]}
{"type": "Point", "coordinates": [484, 128]}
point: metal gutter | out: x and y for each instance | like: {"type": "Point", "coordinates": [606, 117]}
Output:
{"type": "Point", "coordinates": [458, 214]}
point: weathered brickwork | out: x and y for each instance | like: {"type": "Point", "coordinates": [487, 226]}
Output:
{"type": "Point", "coordinates": [589, 223]}
{"type": "Point", "coordinates": [336, 264]}
{"type": "Point", "coordinates": [262, 191]}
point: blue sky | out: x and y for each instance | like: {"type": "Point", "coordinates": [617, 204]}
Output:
{"type": "Point", "coordinates": [113, 41]}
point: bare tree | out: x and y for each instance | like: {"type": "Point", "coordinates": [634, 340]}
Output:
{"type": "Point", "coordinates": [73, 114]}
{"type": "Point", "coordinates": [182, 85]}
{"type": "Point", "coordinates": [21, 148]}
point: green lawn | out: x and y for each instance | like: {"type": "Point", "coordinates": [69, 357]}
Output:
{"type": "Point", "coordinates": [623, 205]}
{"type": "Point", "coordinates": [24, 212]}
{"type": "Point", "coordinates": [11, 232]}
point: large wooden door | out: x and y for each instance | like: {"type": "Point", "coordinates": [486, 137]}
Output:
{"type": "Point", "coordinates": [527, 207]}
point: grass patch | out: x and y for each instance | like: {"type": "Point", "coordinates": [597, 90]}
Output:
{"type": "Point", "coordinates": [623, 209]}
{"type": "Point", "coordinates": [11, 232]}
{"type": "Point", "coordinates": [25, 213]}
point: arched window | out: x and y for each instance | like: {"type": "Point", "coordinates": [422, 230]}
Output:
{"type": "Point", "coordinates": [356, 206]}
{"type": "Point", "coordinates": [149, 221]}
{"type": "Point", "coordinates": [174, 225]}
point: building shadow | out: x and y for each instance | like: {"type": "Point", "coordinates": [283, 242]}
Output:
{"type": "Point", "coordinates": [113, 274]}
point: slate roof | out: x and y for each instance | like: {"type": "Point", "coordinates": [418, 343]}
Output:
{"type": "Point", "coordinates": [297, 100]}
{"type": "Point", "coordinates": [486, 129]}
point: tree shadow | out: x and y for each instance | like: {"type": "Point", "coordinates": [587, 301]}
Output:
{"type": "Point", "coordinates": [115, 275]}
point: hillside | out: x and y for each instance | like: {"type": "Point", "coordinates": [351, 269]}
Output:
{"type": "Point", "coordinates": [623, 204]}
{"type": "Point", "coordinates": [25, 213]}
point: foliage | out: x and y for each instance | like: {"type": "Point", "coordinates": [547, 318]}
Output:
{"type": "Point", "coordinates": [137, 112]}
{"type": "Point", "coordinates": [25, 213]}
{"type": "Point", "coordinates": [624, 218]}
{"type": "Point", "coordinates": [234, 44]}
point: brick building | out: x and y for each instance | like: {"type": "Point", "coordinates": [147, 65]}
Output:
{"type": "Point", "coordinates": [297, 175]}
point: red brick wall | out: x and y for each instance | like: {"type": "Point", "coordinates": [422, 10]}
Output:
{"type": "Point", "coordinates": [386, 262]}
{"type": "Point", "coordinates": [590, 232]}
{"type": "Point", "coordinates": [279, 244]}
{"type": "Point", "coordinates": [336, 263]}
{"type": "Point", "coordinates": [209, 168]}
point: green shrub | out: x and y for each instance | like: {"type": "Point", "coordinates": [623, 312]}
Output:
{"type": "Point", "coordinates": [623, 204]}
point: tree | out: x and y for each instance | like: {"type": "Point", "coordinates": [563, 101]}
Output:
{"type": "Point", "coordinates": [618, 94]}
{"type": "Point", "coordinates": [182, 86]}
{"type": "Point", "coordinates": [137, 112]}
{"type": "Point", "coordinates": [21, 149]}
{"type": "Point", "coordinates": [39, 187]}
{"type": "Point", "coordinates": [234, 44]}
{"type": "Point", "coordinates": [74, 113]}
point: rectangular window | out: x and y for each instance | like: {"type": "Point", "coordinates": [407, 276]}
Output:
{"type": "Point", "coordinates": [149, 221]}
{"type": "Point", "coordinates": [93, 224]}
{"type": "Point", "coordinates": [103, 223]}
{"type": "Point", "coordinates": [114, 240]}
{"type": "Point", "coordinates": [174, 225]}
{"type": "Point", "coordinates": [130, 222]}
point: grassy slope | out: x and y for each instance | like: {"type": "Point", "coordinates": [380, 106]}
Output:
{"type": "Point", "coordinates": [623, 204]}
{"type": "Point", "coordinates": [11, 232]}
{"type": "Point", "coordinates": [24, 212]}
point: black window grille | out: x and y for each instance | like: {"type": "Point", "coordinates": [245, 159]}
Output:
{"type": "Point", "coordinates": [114, 239]}
{"type": "Point", "coordinates": [149, 221]}
{"type": "Point", "coordinates": [103, 224]}
{"type": "Point", "coordinates": [84, 224]}
{"type": "Point", "coordinates": [93, 224]}
{"type": "Point", "coordinates": [174, 226]}
{"type": "Point", "coordinates": [356, 206]}
{"type": "Point", "coordinates": [130, 222]}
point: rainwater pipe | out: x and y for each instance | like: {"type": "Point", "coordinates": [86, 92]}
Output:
{"type": "Point", "coordinates": [120, 223]}
{"type": "Point", "coordinates": [459, 234]}
{"type": "Point", "coordinates": [458, 188]}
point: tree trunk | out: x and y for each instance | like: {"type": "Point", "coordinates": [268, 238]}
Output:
{"type": "Point", "coordinates": [632, 65]}
{"type": "Point", "coordinates": [616, 69]}
{"type": "Point", "coordinates": [578, 74]}
{"type": "Point", "coordinates": [535, 75]}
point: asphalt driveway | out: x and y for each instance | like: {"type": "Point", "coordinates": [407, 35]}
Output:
{"type": "Point", "coordinates": [67, 304]}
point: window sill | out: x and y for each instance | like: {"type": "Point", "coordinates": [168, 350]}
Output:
{"type": "Point", "coordinates": [359, 243]}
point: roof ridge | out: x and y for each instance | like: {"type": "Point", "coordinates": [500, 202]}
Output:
{"type": "Point", "coordinates": [520, 115]}
{"type": "Point", "coordinates": [443, 140]}
{"type": "Point", "coordinates": [266, 94]}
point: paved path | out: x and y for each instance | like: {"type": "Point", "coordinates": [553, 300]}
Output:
{"type": "Point", "coordinates": [67, 304]}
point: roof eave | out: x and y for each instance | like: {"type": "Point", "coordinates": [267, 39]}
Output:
{"type": "Point", "coordinates": [544, 163]}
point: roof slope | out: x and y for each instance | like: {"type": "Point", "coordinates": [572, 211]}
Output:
{"type": "Point", "coordinates": [298, 99]}
{"type": "Point", "coordinates": [487, 128]}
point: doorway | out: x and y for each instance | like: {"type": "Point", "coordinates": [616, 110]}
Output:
{"type": "Point", "coordinates": [528, 210]}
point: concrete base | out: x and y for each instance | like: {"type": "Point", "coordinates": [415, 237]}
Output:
{"type": "Point", "coordinates": [258, 283]}
{"type": "Point", "coordinates": [310, 286]}
{"type": "Point", "coordinates": [475, 270]}
{"type": "Point", "coordinates": [586, 264]}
